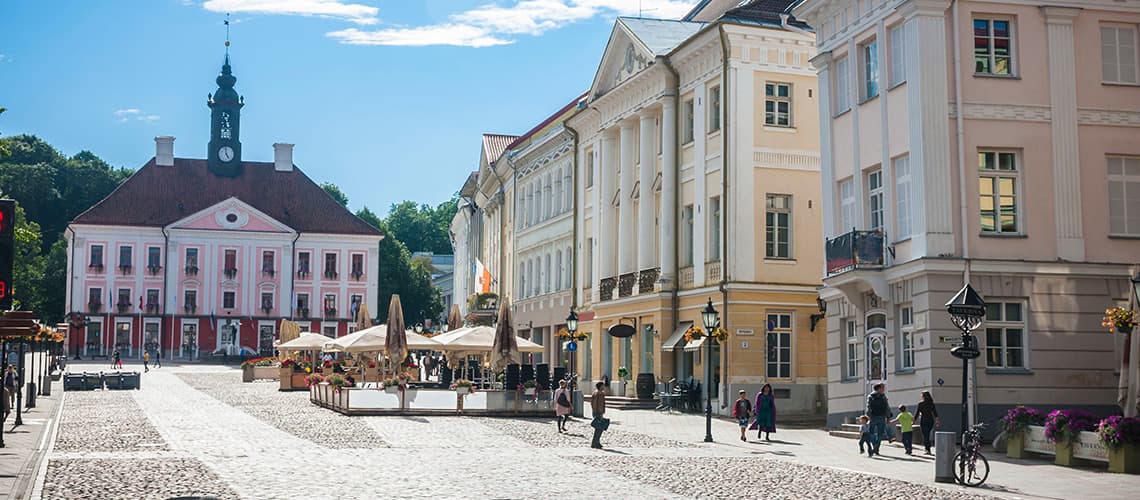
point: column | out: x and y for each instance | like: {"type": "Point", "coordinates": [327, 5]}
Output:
{"type": "Point", "coordinates": [700, 182]}
{"type": "Point", "coordinates": [627, 223]}
{"type": "Point", "coordinates": [928, 106]}
{"type": "Point", "coordinates": [1066, 152]}
{"type": "Point", "coordinates": [668, 246]}
{"type": "Point", "coordinates": [606, 222]}
{"type": "Point", "coordinates": [822, 63]}
{"type": "Point", "coordinates": [645, 207]}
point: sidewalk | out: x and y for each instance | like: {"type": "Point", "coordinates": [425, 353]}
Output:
{"type": "Point", "coordinates": [24, 446]}
{"type": "Point", "coordinates": [1008, 478]}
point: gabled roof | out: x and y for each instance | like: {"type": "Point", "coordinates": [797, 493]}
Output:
{"type": "Point", "coordinates": [660, 36]}
{"type": "Point", "coordinates": [158, 196]}
{"type": "Point", "coordinates": [766, 12]}
{"type": "Point", "coordinates": [494, 144]}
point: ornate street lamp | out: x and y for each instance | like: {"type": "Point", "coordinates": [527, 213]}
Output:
{"type": "Point", "coordinates": [572, 327]}
{"type": "Point", "coordinates": [572, 322]}
{"type": "Point", "coordinates": [709, 317]}
{"type": "Point", "coordinates": [966, 309]}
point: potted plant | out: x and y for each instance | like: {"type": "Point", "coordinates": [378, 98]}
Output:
{"type": "Point", "coordinates": [1063, 428]}
{"type": "Point", "coordinates": [392, 385]}
{"type": "Point", "coordinates": [1121, 435]}
{"type": "Point", "coordinates": [529, 388]}
{"type": "Point", "coordinates": [619, 385]}
{"type": "Point", "coordinates": [252, 369]}
{"type": "Point", "coordinates": [1016, 423]}
{"type": "Point", "coordinates": [1121, 319]}
{"type": "Point", "coordinates": [337, 381]}
{"type": "Point", "coordinates": [463, 387]}
{"type": "Point", "coordinates": [285, 373]}
{"type": "Point", "coordinates": [314, 379]}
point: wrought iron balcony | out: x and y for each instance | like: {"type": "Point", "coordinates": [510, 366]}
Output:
{"type": "Point", "coordinates": [855, 250]}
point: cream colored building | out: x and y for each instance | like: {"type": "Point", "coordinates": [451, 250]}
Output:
{"type": "Point", "coordinates": [698, 174]}
{"type": "Point", "coordinates": [989, 142]}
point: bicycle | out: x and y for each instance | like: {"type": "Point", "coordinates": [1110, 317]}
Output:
{"type": "Point", "coordinates": [971, 467]}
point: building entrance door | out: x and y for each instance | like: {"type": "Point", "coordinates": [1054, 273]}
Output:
{"type": "Point", "coordinates": [94, 340]}
{"type": "Point", "coordinates": [876, 345]}
{"type": "Point", "coordinates": [123, 338]}
{"type": "Point", "coordinates": [265, 337]}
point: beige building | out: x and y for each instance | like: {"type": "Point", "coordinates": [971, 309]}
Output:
{"type": "Point", "coordinates": [988, 142]}
{"type": "Point", "coordinates": [698, 174]}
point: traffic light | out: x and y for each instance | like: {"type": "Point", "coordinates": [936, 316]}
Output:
{"type": "Point", "coordinates": [7, 251]}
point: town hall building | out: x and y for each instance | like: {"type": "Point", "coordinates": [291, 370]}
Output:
{"type": "Point", "coordinates": [191, 257]}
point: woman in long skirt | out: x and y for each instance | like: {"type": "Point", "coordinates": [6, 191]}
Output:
{"type": "Point", "coordinates": [765, 409]}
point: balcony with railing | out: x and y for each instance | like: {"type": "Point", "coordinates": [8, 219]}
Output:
{"type": "Point", "coordinates": [854, 263]}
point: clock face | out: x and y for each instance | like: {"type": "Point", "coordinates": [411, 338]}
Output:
{"type": "Point", "coordinates": [226, 153]}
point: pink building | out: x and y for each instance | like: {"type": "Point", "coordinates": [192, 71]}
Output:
{"type": "Point", "coordinates": [192, 256]}
{"type": "Point", "coordinates": [990, 142]}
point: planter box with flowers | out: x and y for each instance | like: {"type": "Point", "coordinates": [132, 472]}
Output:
{"type": "Point", "coordinates": [259, 368]}
{"type": "Point", "coordinates": [529, 388]}
{"type": "Point", "coordinates": [1024, 428]}
{"type": "Point", "coordinates": [462, 387]}
{"type": "Point", "coordinates": [1065, 428]}
{"type": "Point", "coordinates": [1121, 436]}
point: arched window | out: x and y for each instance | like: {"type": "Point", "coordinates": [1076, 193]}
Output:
{"type": "Point", "coordinates": [521, 292]}
{"type": "Point", "coordinates": [529, 278]}
{"type": "Point", "coordinates": [548, 199]}
{"type": "Point", "coordinates": [558, 275]}
{"type": "Point", "coordinates": [558, 192]}
{"type": "Point", "coordinates": [568, 188]}
{"type": "Point", "coordinates": [546, 275]}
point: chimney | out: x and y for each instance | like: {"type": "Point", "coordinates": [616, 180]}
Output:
{"type": "Point", "coordinates": [164, 151]}
{"type": "Point", "coordinates": [282, 157]}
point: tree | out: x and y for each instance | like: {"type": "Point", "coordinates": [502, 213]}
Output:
{"type": "Point", "coordinates": [422, 227]}
{"type": "Point", "coordinates": [28, 265]}
{"type": "Point", "coordinates": [334, 191]}
{"type": "Point", "coordinates": [3, 143]}
{"type": "Point", "coordinates": [400, 275]}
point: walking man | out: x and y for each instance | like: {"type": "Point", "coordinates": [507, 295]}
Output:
{"type": "Point", "coordinates": [879, 409]}
{"type": "Point", "coordinates": [158, 359]}
{"type": "Point", "coordinates": [11, 386]}
{"type": "Point", "coordinates": [598, 405]}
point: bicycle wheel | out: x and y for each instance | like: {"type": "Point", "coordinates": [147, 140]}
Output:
{"type": "Point", "coordinates": [971, 468]}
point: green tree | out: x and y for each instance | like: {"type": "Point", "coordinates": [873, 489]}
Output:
{"type": "Point", "coordinates": [422, 227]}
{"type": "Point", "coordinates": [3, 142]}
{"type": "Point", "coordinates": [28, 266]}
{"type": "Point", "coordinates": [400, 275]}
{"type": "Point", "coordinates": [334, 191]}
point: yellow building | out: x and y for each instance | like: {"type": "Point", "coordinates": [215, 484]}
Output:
{"type": "Point", "coordinates": [698, 179]}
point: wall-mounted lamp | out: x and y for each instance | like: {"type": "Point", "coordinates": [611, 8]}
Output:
{"type": "Point", "coordinates": [816, 318]}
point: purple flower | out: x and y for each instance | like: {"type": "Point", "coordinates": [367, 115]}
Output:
{"type": "Point", "coordinates": [1019, 418]}
{"type": "Point", "coordinates": [1066, 425]}
{"type": "Point", "coordinates": [1116, 431]}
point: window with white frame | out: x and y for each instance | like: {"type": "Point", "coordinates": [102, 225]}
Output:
{"type": "Point", "coordinates": [906, 337]}
{"type": "Point", "coordinates": [687, 132]}
{"type": "Point", "coordinates": [851, 349]}
{"type": "Point", "coordinates": [869, 69]}
{"type": "Point", "coordinates": [898, 54]}
{"type": "Point", "coordinates": [993, 46]}
{"type": "Point", "coordinates": [842, 85]}
{"type": "Point", "coordinates": [779, 346]}
{"type": "Point", "coordinates": [778, 226]}
{"type": "Point", "coordinates": [714, 109]}
{"type": "Point", "coordinates": [875, 200]}
{"type": "Point", "coordinates": [846, 206]}
{"type": "Point", "coordinates": [1005, 335]}
{"type": "Point", "coordinates": [228, 300]}
{"type": "Point", "coordinates": [1118, 53]}
{"type": "Point", "coordinates": [687, 236]}
{"type": "Point", "coordinates": [714, 229]}
{"type": "Point", "coordinates": [1124, 195]}
{"type": "Point", "coordinates": [997, 191]}
{"type": "Point", "coordinates": [778, 104]}
{"type": "Point", "coordinates": [901, 167]}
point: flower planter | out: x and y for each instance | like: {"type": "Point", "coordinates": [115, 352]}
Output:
{"type": "Point", "coordinates": [530, 391]}
{"type": "Point", "coordinates": [1089, 447]}
{"type": "Point", "coordinates": [247, 374]}
{"type": "Point", "coordinates": [1124, 459]}
{"type": "Point", "coordinates": [285, 377]}
{"type": "Point", "coordinates": [1063, 450]}
{"type": "Point", "coordinates": [392, 389]}
{"type": "Point", "coordinates": [1036, 442]}
{"type": "Point", "coordinates": [1016, 445]}
{"type": "Point", "coordinates": [463, 391]}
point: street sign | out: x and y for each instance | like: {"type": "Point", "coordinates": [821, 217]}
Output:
{"type": "Point", "coordinates": [571, 346]}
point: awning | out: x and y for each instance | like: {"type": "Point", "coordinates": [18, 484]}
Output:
{"type": "Point", "coordinates": [695, 345]}
{"type": "Point", "coordinates": [678, 336]}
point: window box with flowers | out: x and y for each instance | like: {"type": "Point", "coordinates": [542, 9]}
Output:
{"type": "Point", "coordinates": [123, 306]}
{"type": "Point", "coordinates": [259, 368]}
{"type": "Point", "coordinates": [230, 273]}
{"type": "Point", "coordinates": [330, 312]}
{"type": "Point", "coordinates": [1016, 423]}
{"type": "Point", "coordinates": [357, 274]}
{"type": "Point", "coordinates": [191, 270]}
{"type": "Point", "coordinates": [463, 387]}
{"type": "Point", "coordinates": [96, 268]}
{"type": "Point", "coordinates": [1064, 428]}
{"type": "Point", "coordinates": [153, 269]}
{"type": "Point", "coordinates": [331, 275]}
{"type": "Point", "coordinates": [152, 308]}
{"type": "Point", "coordinates": [125, 269]}
{"type": "Point", "coordinates": [94, 307]}
{"type": "Point", "coordinates": [303, 273]}
{"type": "Point", "coordinates": [529, 388]}
{"type": "Point", "coordinates": [303, 312]}
{"type": "Point", "coordinates": [190, 308]}
{"type": "Point", "coordinates": [1121, 435]}
{"type": "Point", "coordinates": [268, 271]}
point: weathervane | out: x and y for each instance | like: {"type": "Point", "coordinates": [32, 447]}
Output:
{"type": "Point", "coordinates": [227, 23]}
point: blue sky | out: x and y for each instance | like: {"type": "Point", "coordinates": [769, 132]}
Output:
{"type": "Point", "coordinates": [386, 98]}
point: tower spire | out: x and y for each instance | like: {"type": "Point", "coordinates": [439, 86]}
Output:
{"type": "Point", "coordinates": [227, 23]}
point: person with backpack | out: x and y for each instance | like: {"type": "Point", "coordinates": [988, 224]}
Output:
{"type": "Point", "coordinates": [562, 405]}
{"type": "Point", "coordinates": [879, 409]}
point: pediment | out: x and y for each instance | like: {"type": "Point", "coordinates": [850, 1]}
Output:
{"type": "Point", "coordinates": [231, 214]}
{"type": "Point", "coordinates": [624, 57]}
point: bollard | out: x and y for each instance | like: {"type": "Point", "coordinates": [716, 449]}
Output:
{"type": "Point", "coordinates": [944, 444]}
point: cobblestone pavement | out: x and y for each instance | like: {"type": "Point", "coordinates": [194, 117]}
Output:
{"type": "Point", "coordinates": [262, 400]}
{"type": "Point", "coordinates": [200, 431]}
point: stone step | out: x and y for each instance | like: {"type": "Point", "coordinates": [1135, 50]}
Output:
{"type": "Point", "coordinates": [845, 434]}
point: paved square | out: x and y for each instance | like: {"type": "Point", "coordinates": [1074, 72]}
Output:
{"type": "Point", "coordinates": [198, 430]}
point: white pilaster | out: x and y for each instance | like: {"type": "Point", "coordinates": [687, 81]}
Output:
{"type": "Point", "coordinates": [627, 221]}
{"type": "Point", "coordinates": [668, 241]}
{"type": "Point", "coordinates": [1066, 154]}
{"type": "Point", "coordinates": [700, 233]}
{"type": "Point", "coordinates": [739, 170]}
{"type": "Point", "coordinates": [647, 171]}
{"type": "Point", "coordinates": [822, 64]}
{"type": "Point", "coordinates": [927, 108]}
{"type": "Point", "coordinates": [853, 64]}
{"type": "Point", "coordinates": [606, 222]}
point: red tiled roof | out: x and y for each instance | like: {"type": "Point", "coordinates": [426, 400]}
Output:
{"type": "Point", "coordinates": [157, 196]}
{"type": "Point", "coordinates": [494, 144]}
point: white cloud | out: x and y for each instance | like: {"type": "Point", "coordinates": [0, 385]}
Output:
{"type": "Point", "coordinates": [353, 12]}
{"type": "Point", "coordinates": [489, 24]}
{"type": "Point", "coordinates": [128, 114]}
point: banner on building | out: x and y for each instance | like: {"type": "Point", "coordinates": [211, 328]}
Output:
{"type": "Point", "coordinates": [482, 277]}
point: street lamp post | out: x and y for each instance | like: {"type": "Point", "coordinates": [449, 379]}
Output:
{"type": "Point", "coordinates": [966, 309]}
{"type": "Point", "coordinates": [709, 318]}
{"type": "Point", "coordinates": [572, 327]}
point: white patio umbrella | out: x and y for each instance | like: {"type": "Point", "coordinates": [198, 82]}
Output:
{"type": "Point", "coordinates": [307, 341]}
{"type": "Point", "coordinates": [477, 340]}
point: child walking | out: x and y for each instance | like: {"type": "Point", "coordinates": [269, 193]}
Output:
{"type": "Point", "coordinates": [742, 411]}
{"type": "Point", "coordinates": [146, 361]}
{"type": "Point", "coordinates": [865, 435]}
{"type": "Point", "coordinates": [906, 422]}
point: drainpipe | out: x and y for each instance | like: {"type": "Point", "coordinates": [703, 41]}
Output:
{"type": "Point", "coordinates": [165, 276]}
{"type": "Point", "coordinates": [293, 278]}
{"type": "Point", "coordinates": [574, 232]}
{"type": "Point", "coordinates": [674, 300]}
{"type": "Point", "coordinates": [724, 156]}
{"type": "Point", "coordinates": [959, 126]}
{"type": "Point", "coordinates": [70, 277]}
{"type": "Point", "coordinates": [502, 233]}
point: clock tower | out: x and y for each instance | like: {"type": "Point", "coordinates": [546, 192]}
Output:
{"type": "Point", "coordinates": [224, 154]}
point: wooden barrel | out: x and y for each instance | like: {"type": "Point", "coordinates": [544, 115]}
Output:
{"type": "Point", "coordinates": [646, 385]}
